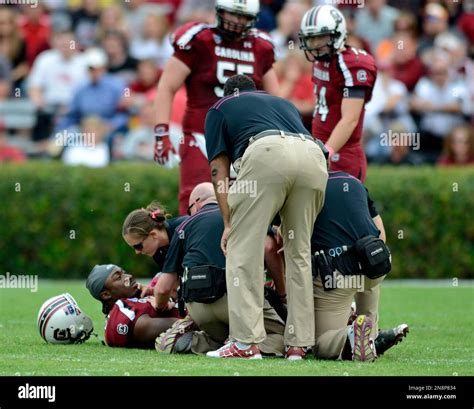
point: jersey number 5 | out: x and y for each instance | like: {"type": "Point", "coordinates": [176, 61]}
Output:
{"type": "Point", "coordinates": [233, 69]}
{"type": "Point", "coordinates": [321, 107]}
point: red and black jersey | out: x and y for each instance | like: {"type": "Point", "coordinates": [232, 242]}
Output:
{"type": "Point", "coordinates": [123, 317]}
{"type": "Point", "coordinates": [346, 69]}
{"type": "Point", "coordinates": [212, 60]}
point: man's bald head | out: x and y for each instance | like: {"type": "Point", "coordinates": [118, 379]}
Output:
{"type": "Point", "coordinates": [201, 195]}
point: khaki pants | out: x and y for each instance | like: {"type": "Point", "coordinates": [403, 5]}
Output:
{"type": "Point", "coordinates": [332, 309]}
{"type": "Point", "coordinates": [278, 174]}
{"type": "Point", "coordinates": [213, 321]}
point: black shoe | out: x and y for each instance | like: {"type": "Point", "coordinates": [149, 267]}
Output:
{"type": "Point", "coordinates": [387, 339]}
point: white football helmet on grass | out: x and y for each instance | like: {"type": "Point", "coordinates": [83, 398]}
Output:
{"type": "Point", "coordinates": [60, 321]}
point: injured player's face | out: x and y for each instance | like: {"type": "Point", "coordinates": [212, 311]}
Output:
{"type": "Point", "coordinates": [119, 285]}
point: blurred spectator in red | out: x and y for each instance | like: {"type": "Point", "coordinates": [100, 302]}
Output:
{"type": "Point", "coordinates": [441, 101]}
{"type": "Point", "coordinates": [5, 78]}
{"type": "Point", "coordinates": [120, 63]}
{"type": "Point", "coordinates": [375, 21]}
{"type": "Point", "coordinates": [285, 35]}
{"type": "Point", "coordinates": [407, 67]}
{"type": "Point", "coordinates": [35, 28]}
{"type": "Point", "coordinates": [12, 45]}
{"type": "Point", "coordinates": [9, 153]}
{"type": "Point", "coordinates": [112, 18]}
{"type": "Point", "coordinates": [458, 147]}
{"type": "Point", "coordinates": [354, 40]}
{"type": "Point", "coordinates": [54, 77]}
{"type": "Point", "coordinates": [146, 81]}
{"type": "Point", "coordinates": [296, 85]}
{"type": "Point", "coordinates": [154, 40]}
{"type": "Point", "coordinates": [466, 24]}
{"type": "Point", "coordinates": [202, 11]}
{"type": "Point", "coordinates": [435, 21]}
{"type": "Point", "coordinates": [85, 21]}
{"type": "Point", "coordinates": [88, 148]}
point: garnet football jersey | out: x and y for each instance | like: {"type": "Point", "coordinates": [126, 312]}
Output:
{"type": "Point", "coordinates": [212, 60]}
{"type": "Point", "coordinates": [348, 68]}
{"type": "Point", "coordinates": [123, 316]}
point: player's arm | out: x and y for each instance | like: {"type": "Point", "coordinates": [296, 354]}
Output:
{"type": "Point", "coordinates": [379, 223]}
{"type": "Point", "coordinates": [270, 82]}
{"type": "Point", "coordinates": [147, 328]}
{"type": "Point", "coordinates": [173, 77]}
{"type": "Point", "coordinates": [351, 109]}
{"type": "Point", "coordinates": [163, 290]}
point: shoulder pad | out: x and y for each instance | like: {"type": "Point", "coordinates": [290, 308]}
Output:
{"type": "Point", "coordinates": [183, 35]}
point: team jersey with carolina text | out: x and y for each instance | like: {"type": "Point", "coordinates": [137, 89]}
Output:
{"type": "Point", "coordinates": [212, 60]}
{"type": "Point", "coordinates": [123, 317]}
{"type": "Point", "coordinates": [349, 68]}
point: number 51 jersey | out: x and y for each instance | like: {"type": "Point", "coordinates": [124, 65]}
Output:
{"type": "Point", "coordinates": [212, 60]}
{"type": "Point", "coordinates": [348, 68]}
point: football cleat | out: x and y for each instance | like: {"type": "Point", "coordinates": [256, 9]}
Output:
{"type": "Point", "coordinates": [167, 341]}
{"type": "Point", "coordinates": [389, 338]}
{"type": "Point", "coordinates": [233, 350]}
{"type": "Point", "coordinates": [364, 348]}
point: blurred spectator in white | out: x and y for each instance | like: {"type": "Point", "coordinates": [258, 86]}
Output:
{"type": "Point", "coordinates": [407, 67]}
{"type": "Point", "coordinates": [375, 21]}
{"type": "Point", "coordinates": [9, 153]}
{"type": "Point", "coordinates": [5, 78]}
{"type": "Point", "coordinates": [120, 63]}
{"type": "Point", "coordinates": [202, 11]}
{"type": "Point", "coordinates": [112, 18]}
{"type": "Point", "coordinates": [295, 77]}
{"type": "Point", "coordinates": [88, 147]}
{"type": "Point", "coordinates": [441, 101]}
{"type": "Point", "coordinates": [136, 11]}
{"type": "Point", "coordinates": [146, 81]}
{"type": "Point", "coordinates": [389, 104]}
{"type": "Point", "coordinates": [100, 96]}
{"type": "Point", "coordinates": [139, 142]}
{"type": "Point", "coordinates": [457, 49]}
{"type": "Point", "coordinates": [12, 45]}
{"type": "Point", "coordinates": [285, 35]}
{"type": "Point", "coordinates": [35, 29]}
{"type": "Point", "coordinates": [154, 41]}
{"type": "Point", "coordinates": [55, 76]}
{"type": "Point", "coordinates": [85, 21]}
{"type": "Point", "coordinates": [458, 147]}
{"type": "Point", "coordinates": [435, 21]}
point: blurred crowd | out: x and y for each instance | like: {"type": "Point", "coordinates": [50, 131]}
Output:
{"type": "Point", "coordinates": [51, 54]}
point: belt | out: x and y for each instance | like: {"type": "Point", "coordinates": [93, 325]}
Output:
{"type": "Point", "coordinates": [273, 132]}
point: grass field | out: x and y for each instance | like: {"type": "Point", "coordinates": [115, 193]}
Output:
{"type": "Point", "coordinates": [440, 342]}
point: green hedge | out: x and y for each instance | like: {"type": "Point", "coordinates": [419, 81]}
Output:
{"type": "Point", "coordinates": [428, 215]}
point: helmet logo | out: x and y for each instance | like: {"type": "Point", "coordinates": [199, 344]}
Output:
{"type": "Point", "coordinates": [62, 334]}
{"type": "Point", "coordinates": [336, 16]}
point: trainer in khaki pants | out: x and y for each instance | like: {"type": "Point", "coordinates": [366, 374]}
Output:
{"type": "Point", "coordinates": [282, 170]}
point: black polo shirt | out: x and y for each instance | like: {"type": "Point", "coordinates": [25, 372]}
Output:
{"type": "Point", "coordinates": [234, 119]}
{"type": "Point", "coordinates": [170, 226]}
{"type": "Point", "coordinates": [197, 241]}
{"type": "Point", "coordinates": [346, 215]}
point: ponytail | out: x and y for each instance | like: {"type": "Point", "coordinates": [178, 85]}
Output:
{"type": "Point", "coordinates": [141, 222]}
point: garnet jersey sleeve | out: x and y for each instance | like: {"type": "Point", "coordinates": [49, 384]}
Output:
{"type": "Point", "coordinates": [186, 48]}
{"type": "Point", "coordinates": [358, 70]}
{"type": "Point", "coordinates": [265, 49]}
{"type": "Point", "coordinates": [123, 317]}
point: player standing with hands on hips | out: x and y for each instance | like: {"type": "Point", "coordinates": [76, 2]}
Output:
{"type": "Point", "coordinates": [344, 78]}
{"type": "Point", "coordinates": [204, 58]}
{"type": "Point", "coordinates": [281, 170]}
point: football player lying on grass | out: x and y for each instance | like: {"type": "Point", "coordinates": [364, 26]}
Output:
{"type": "Point", "coordinates": [133, 320]}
